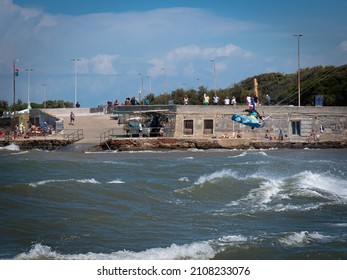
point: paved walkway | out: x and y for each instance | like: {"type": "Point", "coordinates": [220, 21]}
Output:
{"type": "Point", "coordinates": [93, 125]}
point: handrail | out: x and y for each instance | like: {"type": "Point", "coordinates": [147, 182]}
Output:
{"type": "Point", "coordinates": [74, 136]}
{"type": "Point", "coordinates": [107, 135]}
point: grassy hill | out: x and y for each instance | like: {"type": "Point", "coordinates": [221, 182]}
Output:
{"type": "Point", "coordinates": [329, 81]}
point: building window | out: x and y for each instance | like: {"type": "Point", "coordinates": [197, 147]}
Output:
{"type": "Point", "coordinates": [296, 128]}
{"type": "Point", "coordinates": [208, 127]}
{"type": "Point", "coordinates": [188, 127]}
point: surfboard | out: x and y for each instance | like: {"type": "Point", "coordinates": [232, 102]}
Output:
{"type": "Point", "coordinates": [247, 120]}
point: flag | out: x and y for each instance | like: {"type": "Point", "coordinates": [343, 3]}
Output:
{"type": "Point", "coordinates": [16, 72]}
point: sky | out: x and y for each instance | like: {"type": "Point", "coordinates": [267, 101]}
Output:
{"type": "Point", "coordinates": [129, 48]}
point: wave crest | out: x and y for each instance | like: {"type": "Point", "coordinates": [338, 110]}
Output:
{"type": "Point", "coordinates": [11, 147]}
{"type": "Point", "coordinates": [195, 251]}
{"type": "Point", "coordinates": [83, 181]}
{"type": "Point", "coordinates": [301, 238]}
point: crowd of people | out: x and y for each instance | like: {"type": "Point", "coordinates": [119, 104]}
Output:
{"type": "Point", "coordinates": [128, 102]}
{"type": "Point", "coordinates": [216, 100]}
{"type": "Point", "coordinates": [25, 131]}
{"type": "Point", "coordinates": [227, 101]}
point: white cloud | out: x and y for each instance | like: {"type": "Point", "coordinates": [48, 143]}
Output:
{"type": "Point", "coordinates": [343, 46]}
{"type": "Point", "coordinates": [193, 51]}
{"type": "Point", "coordinates": [102, 64]}
{"type": "Point", "coordinates": [116, 47]}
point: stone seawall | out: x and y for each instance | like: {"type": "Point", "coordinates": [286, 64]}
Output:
{"type": "Point", "coordinates": [41, 144]}
{"type": "Point", "coordinates": [142, 144]}
{"type": "Point", "coordinates": [139, 144]}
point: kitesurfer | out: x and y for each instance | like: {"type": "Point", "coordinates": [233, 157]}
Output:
{"type": "Point", "coordinates": [252, 112]}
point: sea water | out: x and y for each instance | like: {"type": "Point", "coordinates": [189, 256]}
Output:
{"type": "Point", "coordinates": [195, 204]}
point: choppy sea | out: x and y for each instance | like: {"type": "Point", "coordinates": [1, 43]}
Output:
{"type": "Point", "coordinates": [195, 204]}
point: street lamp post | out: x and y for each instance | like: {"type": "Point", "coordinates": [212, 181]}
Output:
{"type": "Point", "coordinates": [214, 75]}
{"type": "Point", "coordinates": [15, 73]}
{"type": "Point", "coordinates": [149, 85]}
{"type": "Point", "coordinates": [298, 35]}
{"type": "Point", "coordinates": [75, 60]}
{"type": "Point", "coordinates": [29, 70]}
{"type": "Point", "coordinates": [141, 89]}
{"type": "Point", "coordinates": [164, 80]}
{"type": "Point", "coordinates": [44, 95]}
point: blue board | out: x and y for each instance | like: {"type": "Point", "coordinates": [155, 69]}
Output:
{"type": "Point", "coordinates": [247, 120]}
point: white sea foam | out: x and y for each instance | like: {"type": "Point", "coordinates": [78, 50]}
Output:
{"type": "Point", "coordinates": [195, 251]}
{"type": "Point", "coordinates": [232, 239]}
{"type": "Point", "coordinates": [278, 194]}
{"type": "Point", "coordinates": [20, 153]}
{"type": "Point", "coordinates": [87, 181]}
{"type": "Point", "coordinates": [44, 182]}
{"type": "Point", "coordinates": [340, 224]}
{"type": "Point", "coordinates": [240, 155]}
{"type": "Point", "coordinates": [214, 176]}
{"type": "Point", "coordinates": [211, 178]}
{"type": "Point", "coordinates": [183, 179]}
{"type": "Point", "coordinates": [262, 153]}
{"type": "Point", "coordinates": [267, 191]}
{"type": "Point", "coordinates": [196, 150]}
{"type": "Point", "coordinates": [301, 238]}
{"type": "Point", "coordinates": [202, 250]}
{"type": "Point", "coordinates": [261, 196]}
{"type": "Point", "coordinates": [250, 152]}
{"type": "Point", "coordinates": [11, 147]}
{"type": "Point", "coordinates": [188, 158]}
{"type": "Point", "coordinates": [321, 184]}
{"type": "Point", "coordinates": [117, 181]}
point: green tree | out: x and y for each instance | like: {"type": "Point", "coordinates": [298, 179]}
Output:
{"type": "Point", "coordinates": [3, 106]}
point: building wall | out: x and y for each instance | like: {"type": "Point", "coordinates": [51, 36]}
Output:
{"type": "Point", "coordinates": [332, 119]}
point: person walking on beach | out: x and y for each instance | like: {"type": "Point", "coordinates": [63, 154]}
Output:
{"type": "Point", "coordinates": [72, 118]}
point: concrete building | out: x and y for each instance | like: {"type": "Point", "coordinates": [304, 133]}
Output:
{"type": "Point", "coordinates": [202, 122]}
{"type": "Point", "coordinates": [297, 123]}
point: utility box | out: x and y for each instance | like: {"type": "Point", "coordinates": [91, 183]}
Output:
{"type": "Point", "coordinates": [59, 126]}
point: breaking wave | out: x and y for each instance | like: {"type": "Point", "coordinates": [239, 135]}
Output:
{"type": "Point", "coordinates": [11, 147]}
{"type": "Point", "coordinates": [45, 182]}
{"type": "Point", "coordinates": [201, 250]}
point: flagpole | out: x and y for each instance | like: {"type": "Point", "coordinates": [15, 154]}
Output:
{"type": "Point", "coordinates": [14, 87]}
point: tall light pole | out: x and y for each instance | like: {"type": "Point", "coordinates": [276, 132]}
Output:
{"type": "Point", "coordinates": [15, 73]}
{"type": "Point", "coordinates": [29, 70]}
{"type": "Point", "coordinates": [164, 80]}
{"type": "Point", "coordinates": [141, 89]}
{"type": "Point", "coordinates": [298, 35]}
{"type": "Point", "coordinates": [75, 60]}
{"type": "Point", "coordinates": [44, 95]}
{"type": "Point", "coordinates": [214, 75]}
{"type": "Point", "coordinates": [149, 85]}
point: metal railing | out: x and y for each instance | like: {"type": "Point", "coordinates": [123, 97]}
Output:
{"type": "Point", "coordinates": [107, 135]}
{"type": "Point", "coordinates": [74, 135]}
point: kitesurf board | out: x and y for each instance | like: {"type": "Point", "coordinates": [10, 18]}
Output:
{"type": "Point", "coordinates": [246, 120]}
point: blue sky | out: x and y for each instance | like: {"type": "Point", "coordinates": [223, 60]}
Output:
{"type": "Point", "coordinates": [163, 45]}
